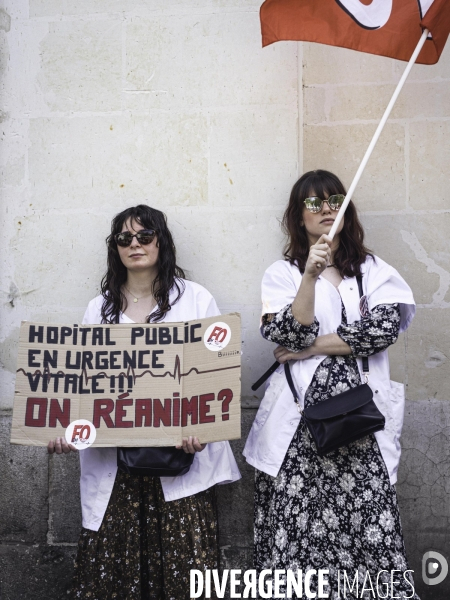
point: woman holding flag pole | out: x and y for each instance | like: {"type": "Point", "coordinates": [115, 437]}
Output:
{"type": "Point", "coordinates": [336, 511]}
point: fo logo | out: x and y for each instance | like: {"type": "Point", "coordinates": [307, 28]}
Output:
{"type": "Point", "coordinates": [217, 336]}
{"type": "Point", "coordinates": [81, 434]}
{"type": "Point", "coordinates": [434, 568]}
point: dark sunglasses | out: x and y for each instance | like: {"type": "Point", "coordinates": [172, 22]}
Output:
{"type": "Point", "coordinates": [315, 204]}
{"type": "Point", "coordinates": [144, 237]}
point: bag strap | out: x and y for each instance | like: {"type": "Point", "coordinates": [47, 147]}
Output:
{"type": "Point", "coordinates": [329, 372]}
{"type": "Point", "coordinates": [365, 359]}
{"type": "Point", "coordinates": [287, 372]}
{"type": "Point", "coordinates": [265, 376]}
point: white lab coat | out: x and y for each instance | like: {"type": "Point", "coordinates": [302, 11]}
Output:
{"type": "Point", "coordinates": [277, 418]}
{"type": "Point", "coordinates": [214, 465]}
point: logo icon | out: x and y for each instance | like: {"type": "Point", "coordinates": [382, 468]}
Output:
{"type": "Point", "coordinates": [434, 568]}
{"type": "Point", "coordinates": [217, 336]}
{"type": "Point", "coordinates": [81, 434]}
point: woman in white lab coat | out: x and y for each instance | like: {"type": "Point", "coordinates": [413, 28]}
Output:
{"type": "Point", "coordinates": [141, 535]}
{"type": "Point", "coordinates": [338, 512]}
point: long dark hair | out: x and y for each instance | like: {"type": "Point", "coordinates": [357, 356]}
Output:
{"type": "Point", "coordinates": [351, 252]}
{"type": "Point", "coordinates": [169, 274]}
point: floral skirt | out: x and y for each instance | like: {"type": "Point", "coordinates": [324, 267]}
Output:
{"type": "Point", "coordinates": [146, 546]}
{"type": "Point", "coordinates": [338, 512]}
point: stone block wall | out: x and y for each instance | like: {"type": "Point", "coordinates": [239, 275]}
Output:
{"type": "Point", "coordinates": [106, 104]}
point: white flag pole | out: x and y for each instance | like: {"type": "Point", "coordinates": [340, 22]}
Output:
{"type": "Point", "coordinates": [382, 123]}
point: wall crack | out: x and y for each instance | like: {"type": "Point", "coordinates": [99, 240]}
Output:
{"type": "Point", "coordinates": [422, 256]}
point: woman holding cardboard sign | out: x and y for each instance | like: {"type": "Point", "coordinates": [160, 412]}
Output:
{"type": "Point", "coordinates": [324, 495]}
{"type": "Point", "coordinates": [141, 534]}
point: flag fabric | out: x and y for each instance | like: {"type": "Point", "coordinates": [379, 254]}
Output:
{"type": "Point", "coordinates": [386, 27]}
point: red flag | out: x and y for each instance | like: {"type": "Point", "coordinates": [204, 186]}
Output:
{"type": "Point", "coordinates": [386, 27]}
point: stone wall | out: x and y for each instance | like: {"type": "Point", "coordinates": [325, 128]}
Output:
{"type": "Point", "coordinates": [108, 104]}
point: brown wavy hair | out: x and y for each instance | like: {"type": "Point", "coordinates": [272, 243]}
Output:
{"type": "Point", "coordinates": [351, 252]}
{"type": "Point", "coordinates": [170, 275]}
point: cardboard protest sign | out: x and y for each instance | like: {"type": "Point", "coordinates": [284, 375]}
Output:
{"type": "Point", "coordinates": [128, 385]}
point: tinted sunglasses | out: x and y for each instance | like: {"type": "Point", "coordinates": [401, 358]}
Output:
{"type": "Point", "coordinates": [144, 237]}
{"type": "Point", "coordinates": [314, 204]}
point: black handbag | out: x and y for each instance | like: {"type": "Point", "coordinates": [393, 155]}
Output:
{"type": "Point", "coordinates": [344, 418]}
{"type": "Point", "coordinates": [160, 461]}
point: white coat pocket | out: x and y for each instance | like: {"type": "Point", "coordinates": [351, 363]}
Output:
{"type": "Point", "coordinates": [277, 382]}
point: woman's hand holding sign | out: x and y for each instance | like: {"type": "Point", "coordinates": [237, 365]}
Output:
{"type": "Point", "coordinates": [191, 445]}
{"type": "Point", "coordinates": [60, 446]}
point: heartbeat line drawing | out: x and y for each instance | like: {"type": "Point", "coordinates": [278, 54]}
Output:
{"type": "Point", "coordinates": [130, 372]}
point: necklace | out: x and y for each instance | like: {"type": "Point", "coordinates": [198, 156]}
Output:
{"type": "Point", "coordinates": [328, 266]}
{"type": "Point", "coordinates": [135, 298]}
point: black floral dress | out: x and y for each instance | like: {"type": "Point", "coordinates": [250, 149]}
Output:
{"type": "Point", "coordinates": [338, 512]}
{"type": "Point", "coordinates": [146, 547]}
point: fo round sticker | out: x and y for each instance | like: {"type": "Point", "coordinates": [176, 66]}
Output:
{"type": "Point", "coordinates": [81, 434]}
{"type": "Point", "coordinates": [217, 336]}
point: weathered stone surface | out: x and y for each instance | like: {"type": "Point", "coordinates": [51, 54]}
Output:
{"type": "Point", "coordinates": [81, 65]}
{"type": "Point", "coordinates": [64, 499]}
{"type": "Point", "coordinates": [430, 159]}
{"type": "Point", "coordinates": [13, 159]}
{"type": "Point", "coordinates": [117, 160]}
{"type": "Point", "coordinates": [51, 270]}
{"type": "Point", "coordinates": [16, 9]}
{"type": "Point", "coordinates": [8, 354]}
{"type": "Point", "coordinates": [235, 506]}
{"type": "Point", "coordinates": [190, 60]}
{"type": "Point", "coordinates": [315, 106]}
{"type": "Point", "coordinates": [422, 487]}
{"type": "Point", "coordinates": [427, 354]}
{"type": "Point", "coordinates": [41, 8]}
{"type": "Point", "coordinates": [329, 65]}
{"type": "Point", "coordinates": [231, 246]}
{"type": "Point", "coordinates": [37, 572]}
{"type": "Point", "coordinates": [340, 149]}
{"type": "Point", "coordinates": [369, 102]}
{"type": "Point", "coordinates": [413, 246]}
{"type": "Point", "coordinates": [23, 490]}
{"type": "Point", "coordinates": [235, 159]}
{"type": "Point", "coordinates": [240, 559]}
{"type": "Point", "coordinates": [21, 95]}
{"type": "Point", "coordinates": [235, 501]}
